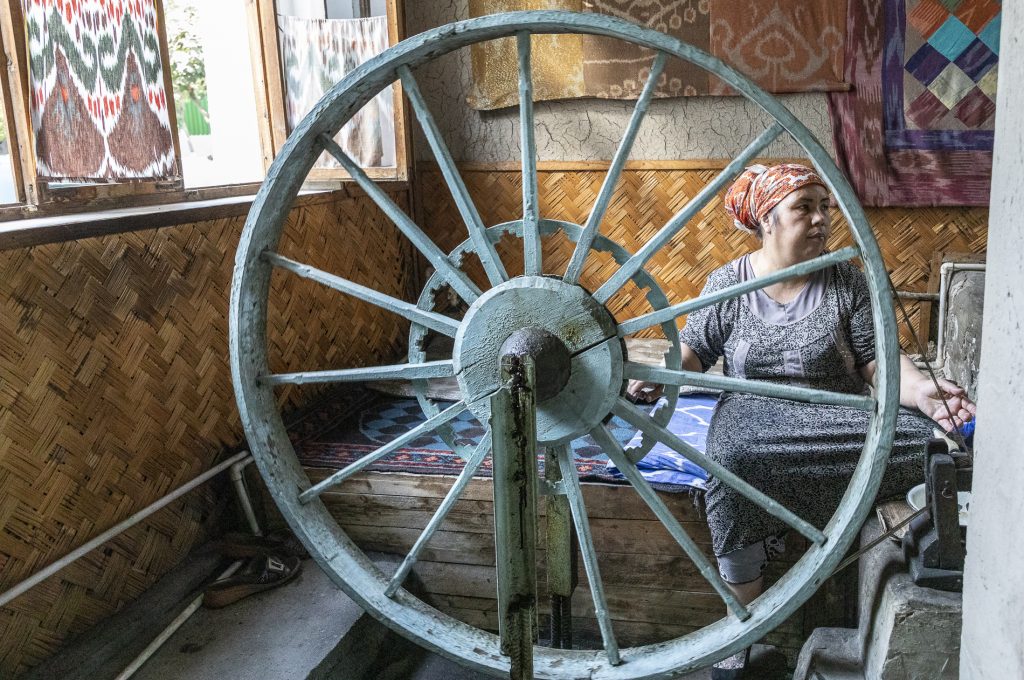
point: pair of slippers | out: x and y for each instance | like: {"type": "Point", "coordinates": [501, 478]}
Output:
{"type": "Point", "coordinates": [271, 561]}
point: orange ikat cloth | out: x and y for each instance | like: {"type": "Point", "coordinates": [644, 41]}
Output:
{"type": "Point", "coordinates": [758, 189]}
{"type": "Point", "coordinates": [98, 102]}
{"type": "Point", "coordinates": [782, 45]}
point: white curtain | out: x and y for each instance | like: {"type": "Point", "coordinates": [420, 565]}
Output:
{"type": "Point", "coordinates": [317, 53]}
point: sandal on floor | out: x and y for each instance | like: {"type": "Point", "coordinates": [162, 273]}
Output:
{"type": "Point", "coordinates": [281, 542]}
{"type": "Point", "coordinates": [262, 572]}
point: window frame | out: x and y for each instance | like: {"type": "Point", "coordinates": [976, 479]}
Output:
{"type": "Point", "coordinates": [272, 110]}
{"type": "Point", "coordinates": [36, 200]}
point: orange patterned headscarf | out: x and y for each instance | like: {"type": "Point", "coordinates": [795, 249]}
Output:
{"type": "Point", "coordinates": [759, 189]}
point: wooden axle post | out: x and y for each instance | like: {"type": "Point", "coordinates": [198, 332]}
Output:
{"type": "Point", "coordinates": [513, 424]}
{"type": "Point", "coordinates": [560, 541]}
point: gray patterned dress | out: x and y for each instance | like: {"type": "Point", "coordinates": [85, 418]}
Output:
{"type": "Point", "coordinates": [802, 455]}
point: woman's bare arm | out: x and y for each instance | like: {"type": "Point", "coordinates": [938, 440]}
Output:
{"type": "Point", "coordinates": [644, 391]}
{"type": "Point", "coordinates": [917, 390]}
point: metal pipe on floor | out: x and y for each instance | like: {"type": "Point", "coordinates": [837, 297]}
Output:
{"type": "Point", "coordinates": [171, 628]}
{"type": "Point", "coordinates": [243, 495]}
{"type": "Point", "coordinates": [87, 547]}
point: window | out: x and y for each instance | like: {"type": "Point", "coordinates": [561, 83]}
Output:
{"type": "Point", "coordinates": [9, 183]}
{"type": "Point", "coordinates": [216, 110]}
{"type": "Point", "coordinates": [114, 103]}
{"type": "Point", "coordinates": [350, 31]}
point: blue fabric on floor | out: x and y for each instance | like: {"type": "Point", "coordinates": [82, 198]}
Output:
{"type": "Point", "coordinates": [690, 423]}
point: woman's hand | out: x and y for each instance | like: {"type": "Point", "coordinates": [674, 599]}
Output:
{"type": "Point", "coordinates": [929, 400]}
{"type": "Point", "coordinates": [643, 392]}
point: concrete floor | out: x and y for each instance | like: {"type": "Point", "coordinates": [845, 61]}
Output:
{"type": "Point", "coordinates": [280, 633]}
{"type": "Point", "coordinates": [305, 630]}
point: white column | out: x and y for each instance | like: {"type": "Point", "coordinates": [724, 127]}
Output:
{"type": "Point", "coordinates": [992, 646]}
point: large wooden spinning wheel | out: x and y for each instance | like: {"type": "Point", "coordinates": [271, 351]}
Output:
{"type": "Point", "coordinates": [577, 343]}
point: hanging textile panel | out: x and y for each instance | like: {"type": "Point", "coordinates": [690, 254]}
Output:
{"type": "Point", "coordinates": [316, 54]}
{"type": "Point", "coordinates": [783, 45]}
{"type": "Point", "coordinates": [917, 130]}
{"type": "Point", "coordinates": [98, 102]}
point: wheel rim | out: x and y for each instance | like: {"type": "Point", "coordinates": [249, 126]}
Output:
{"type": "Point", "coordinates": [290, 487]}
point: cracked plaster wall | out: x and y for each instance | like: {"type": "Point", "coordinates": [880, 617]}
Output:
{"type": "Point", "coordinates": [993, 629]}
{"type": "Point", "coordinates": [590, 129]}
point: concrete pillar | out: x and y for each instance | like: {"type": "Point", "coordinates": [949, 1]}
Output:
{"type": "Point", "coordinates": [993, 627]}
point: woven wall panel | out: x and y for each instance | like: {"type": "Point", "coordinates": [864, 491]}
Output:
{"type": "Point", "coordinates": [646, 199]}
{"type": "Point", "coordinates": [115, 389]}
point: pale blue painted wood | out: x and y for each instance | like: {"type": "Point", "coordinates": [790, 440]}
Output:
{"type": "Point", "coordinates": [437, 322]}
{"type": "Point", "coordinates": [652, 293]}
{"type": "Point", "coordinates": [429, 369]}
{"type": "Point", "coordinates": [472, 465]}
{"type": "Point", "coordinates": [637, 418]}
{"type": "Point", "coordinates": [614, 450]}
{"type": "Point", "coordinates": [346, 565]}
{"type": "Point", "coordinates": [593, 226]}
{"type": "Point", "coordinates": [514, 467]}
{"type": "Point", "coordinates": [493, 267]}
{"type": "Point", "coordinates": [586, 329]}
{"type": "Point", "coordinates": [559, 541]}
{"type": "Point", "coordinates": [456, 278]}
{"type": "Point", "coordinates": [680, 219]}
{"type": "Point", "coordinates": [531, 206]}
{"type": "Point", "coordinates": [571, 484]}
{"type": "Point", "coordinates": [680, 378]}
{"type": "Point", "coordinates": [647, 320]}
{"type": "Point", "coordinates": [369, 459]}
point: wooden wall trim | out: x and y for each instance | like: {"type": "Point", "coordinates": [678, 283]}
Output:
{"type": "Point", "coordinates": [578, 166]}
{"type": "Point", "coordinates": [35, 231]}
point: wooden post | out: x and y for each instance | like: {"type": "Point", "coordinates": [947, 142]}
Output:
{"type": "Point", "coordinates": [513, 423]}
{"type": "Point", "coordinates": [560, 540]}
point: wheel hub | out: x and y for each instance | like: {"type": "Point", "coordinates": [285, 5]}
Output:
{"type": "Point", "coordinates": [572, 338]}
{"type": "Point", "coordinates": [553, 363]}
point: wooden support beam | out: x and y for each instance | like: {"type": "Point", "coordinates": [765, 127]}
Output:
{"type": "Point", "coordinates": [513, 428]}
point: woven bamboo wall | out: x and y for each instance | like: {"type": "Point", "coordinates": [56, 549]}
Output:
{"type": "Point", "coordinates": [646, 198]}
{"type": "Point", "coordinates": [115, 389]}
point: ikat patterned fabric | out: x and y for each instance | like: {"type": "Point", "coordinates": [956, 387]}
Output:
{"type": "Point", "coordinates": [917, 128]}
{"type": "Point", "coordinates": [98, 103]}
{"type": "Point", "coordinates": [317, 53]}
{"type": "Point", "coordinates": [613, 69]}
{"type": "Point", "coordinates": [783, 45]}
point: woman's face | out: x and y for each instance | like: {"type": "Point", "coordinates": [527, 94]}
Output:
{"type": "Point", "coordinates": [802, 224]}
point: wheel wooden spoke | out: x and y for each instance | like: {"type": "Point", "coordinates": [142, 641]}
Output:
{"type": "Point", "coordinates": [438, 322]}
{"type": "Point", "coordinates": [472, 465]}
{"type": "Point", "coordinates": [571, 484]}
{"type": "Point", "coordinates": [401, 440]}
{"type": "Point", "coordinates": [493, 267]}
{"type": "Point", "coordinates": [641, 420]}
{"type": "Point", "coordinates": [680, 219]}
{"type": "Point", "coordinates": [429, 369]}
{"type": "Point", "coordinates": [455, 277]}
{"type": "Point", "coordinates": [653, 318]}
{"type": "Point", "coordinates": [611, 180]}
{"type": "Point", "coordinates": [665, 376]}
{"type": "Point", "coordinates": [531, 205]}
{"type": "Point", "coordinates": [614, 450]}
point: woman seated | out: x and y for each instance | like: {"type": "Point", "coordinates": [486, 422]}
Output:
{"type": "Point", "coordinates": [816, 331]}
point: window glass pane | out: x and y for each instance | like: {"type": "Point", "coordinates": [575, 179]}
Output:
{"type": "Point", "coordinates": [8, 190]}
{"type": "Point", "coordinates": [321, 42]}
{"type": "Point", "coordinates": [214, 96]}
